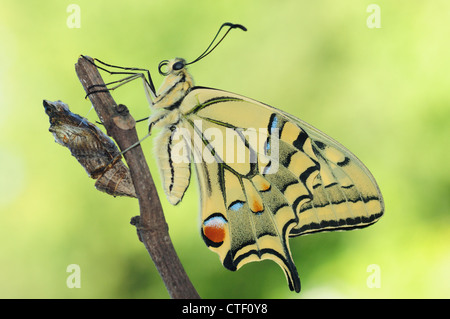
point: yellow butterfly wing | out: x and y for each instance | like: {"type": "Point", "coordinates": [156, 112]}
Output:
{"type": "Point", "coordinates": [250, 208]}
{"type": "Point", "coordinates": [345, 194]}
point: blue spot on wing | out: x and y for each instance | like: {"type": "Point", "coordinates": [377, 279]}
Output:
{"type": "Point", "coordinates": [236, 205]}
{"type": "Point", "coordinates": [215, 220]}
{"type": "Point", "coordinates": [273, 123]}
{"type": "Point", "coordinates": [267, 149]}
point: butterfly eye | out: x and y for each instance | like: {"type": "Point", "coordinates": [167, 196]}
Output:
{"type": "Point", "coordinates": [178, 66]}
{"type": "Point", "coordinates": [162, 64]}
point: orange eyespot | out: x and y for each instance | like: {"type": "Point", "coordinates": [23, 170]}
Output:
{"type": "Point", "coordinates": [214, 234]}
{"type": "Point", "coordinates": [214, 229]}
{"type": "Point", "coordinates": [261, 183]}
{"type": "Point", "coordinates": [256, 206]}
{"type": "Point", "coordinates": [264, 186]}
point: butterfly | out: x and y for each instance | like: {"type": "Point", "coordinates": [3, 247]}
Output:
{"type": "Point", "coordinates": [264, 175]}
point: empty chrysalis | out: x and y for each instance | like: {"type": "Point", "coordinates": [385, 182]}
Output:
{"type": "Point", "coordinates": [93, 149]}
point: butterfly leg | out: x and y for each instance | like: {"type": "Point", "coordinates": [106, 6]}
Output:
{"type": "Point", "coordinates": [150, 126]}
{"type": "Point", "coordinates": [116, 158]}
{"type": "Point", "coordinates": [133, 74]}
{"type": "Point", "coordinates": [119, 84]}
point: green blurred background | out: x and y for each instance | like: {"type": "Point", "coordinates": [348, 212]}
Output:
{"type": "Point", "coordinates": [382, 92]}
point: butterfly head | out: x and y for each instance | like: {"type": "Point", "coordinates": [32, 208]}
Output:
{"type": "Point", "coordinates": [176, 85]}
{"type": "Point", "coordinates": [172, 67]}
{"type": "Point", "coordinates": [178, 81]}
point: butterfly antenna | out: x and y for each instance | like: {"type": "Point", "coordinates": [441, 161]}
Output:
{"type": "Point", "coordinates": [208, 50]}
